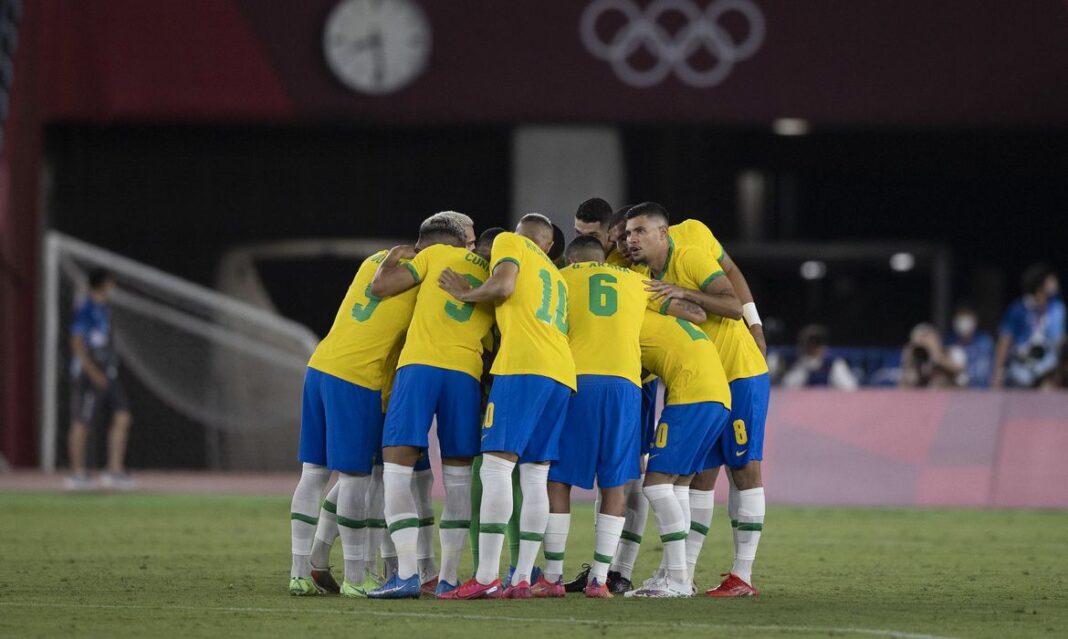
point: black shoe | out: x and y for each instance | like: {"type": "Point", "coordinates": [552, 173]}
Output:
{"type": "Point", "coordinates": [618, 584]}
{"type": "Point", "coordinates": [324, 581]}
{"type": "Point", "coordinates": [579, 584]}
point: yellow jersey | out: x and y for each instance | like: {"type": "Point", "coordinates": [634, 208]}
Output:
{"type": "Point", "coordinates": [390, 368]}
{"type": "Point", "coordinates": [615, 258]}
{"type": "Point", "coordinates": [365, 330]}
{"type": "Point", "coordinates": [695, 233]}
{"type": "Point", "coordinates": [694, 267]}
{"type": "Point", "coordinates": [606, 306]}
{"type": "Point", "coordinates": [446, 332]}
{"type": "Point", "coordinates": [533, 319]}
{"type": "Point", "coordinates": [682, 355]}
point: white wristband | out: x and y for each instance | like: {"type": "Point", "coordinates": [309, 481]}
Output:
{"type": "Point", "coordinates": [749, 313]}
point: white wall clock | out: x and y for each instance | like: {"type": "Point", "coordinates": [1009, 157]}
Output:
{"type": "Point", "coordinates": [376, 46]}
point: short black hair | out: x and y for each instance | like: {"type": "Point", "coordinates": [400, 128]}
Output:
{"type": "Point", "coordinates": [1035, 277]}
{"type": "Point", "coordinates": [618, 217]}
{"type": "Point", "coordinates": [588, 247]}
{"type": "Point", "coordinates": [594, 210]}
{"type": "Point", "coordinates": [556, 251]}
{"type": "Point", "coordinates": [441, 230]}
{"type": "Point", "coordinates": [651, 209]}
{"type": "Point", "coordinates": [98, 277]}
{"type": "Point", "coordinates": [490, 234]}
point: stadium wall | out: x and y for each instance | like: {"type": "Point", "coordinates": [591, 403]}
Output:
{"type": "Point", "coordinates": [901, 448]}
{"type": "Point", "coordinates": [918, 448]}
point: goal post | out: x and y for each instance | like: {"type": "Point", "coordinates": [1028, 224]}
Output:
{"type": "Point", "coordinates": [230, 368]}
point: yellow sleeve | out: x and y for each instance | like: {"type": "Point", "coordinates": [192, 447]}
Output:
{"type": "Point", "coordinates": [506, 248]}
{"type": "Point", "coordinates": [419, 264]}
{"type": "Point", "coordinates": [700, 266]}
{"type": "Point", "coordinates": [717, 249]}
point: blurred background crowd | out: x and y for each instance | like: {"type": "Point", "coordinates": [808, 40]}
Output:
{"type": "Point", "coordinates": [1026, 348]}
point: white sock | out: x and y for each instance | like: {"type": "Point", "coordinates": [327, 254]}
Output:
{"type": "Point", "coordinates": [555, 544]}
{"type": "Point", "coordinates": [325, 531]}
{"type": "Point", "coordinates": [401, 517]}
{"type": "Point", "coordinates": [630, 540]}
{"type": "Point", "coordinates": [352, 524]}
{"type": "Point", "coordinates": [608, 531]}
{"type": "Point", "coordinates": [455, 520]}
{"type": "Point", "coordinates": [304, 516]}
{"type": "Point", "coordinates": [732, 510]}
{"type": "Point", "coordinates": [672, 527]}
{"type": "Point", "coordinates": [750, 524]}
{"type": "Point", "coordinates": [423, 485]}
{"type": "Point", "coordinates": [682, 493]}
{"type": "Point", "coordinates": [701, 504]}
{"type": "Point", "coordinates": [380, 540]}
{"type": "Point", "coordinates": [533, 518]}
{"type": "Point", "coordinates": [494, 513]}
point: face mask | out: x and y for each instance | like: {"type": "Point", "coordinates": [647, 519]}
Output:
{"type": "Point", "coordinates": [964, 325]}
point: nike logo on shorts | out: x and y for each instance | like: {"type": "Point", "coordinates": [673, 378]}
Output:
{"type": "Point", "coordinates": [740, 453]}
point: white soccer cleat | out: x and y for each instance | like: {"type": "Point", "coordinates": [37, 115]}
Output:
{"type": "Point", "coordinates": [664, 589]}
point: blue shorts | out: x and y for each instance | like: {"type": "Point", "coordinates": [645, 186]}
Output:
{"type": "Point", "coordinates": [421, 392]}
{"type": "Point", "coordinates": [648, 418]}
{"type": "Point", "coordinates": [525, 415]}
{"type": "Point", "coordinates": [600, 434]}
{"type": "Point", "coordinates": [743, 439]}
{"type": "Point", "coordinates": [423, 463]}
{"type": "Point", "coordinates": [683, 436]}
{"type": "Point", "coordinates": [340, 423]}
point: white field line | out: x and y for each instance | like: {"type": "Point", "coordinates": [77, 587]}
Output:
{"type": "Point", "coordinates": [870, 632]}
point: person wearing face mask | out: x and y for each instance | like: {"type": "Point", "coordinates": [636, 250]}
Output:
{"type": "Point", "coordinates": [1032, 333]}
{"type": "Point", "coordinates": [972, 348]}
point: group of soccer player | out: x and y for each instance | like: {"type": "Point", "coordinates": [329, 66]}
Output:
{"type": "Point", "coordinates": [534, 373]}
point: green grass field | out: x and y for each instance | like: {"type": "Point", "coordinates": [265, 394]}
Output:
{"type": "Point", "coordinates": [162, 566]}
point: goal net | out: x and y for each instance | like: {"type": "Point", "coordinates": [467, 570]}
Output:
{"type": "Point", "coordinates": [212, 382]}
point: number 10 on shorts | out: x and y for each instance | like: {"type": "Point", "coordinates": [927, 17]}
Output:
{"type": "Point", "coordinates": [661, 436]}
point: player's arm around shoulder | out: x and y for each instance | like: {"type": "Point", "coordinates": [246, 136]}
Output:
{"type": "Point", "coordinates": [394, 275]}
{"type": "Point", "coordinates": [713, 292]}
{"type": "Point", "coordinates": [505, 259]}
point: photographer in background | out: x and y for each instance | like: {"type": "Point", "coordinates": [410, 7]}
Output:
{"type": "Point", "coordinates": [926, 364]}
{"type": "Point", "coordinates": [814, 368]}
{"type": "Point", "coordinates": [1031, 333]}
{"type": "Point", "coordinates": [972, 348]}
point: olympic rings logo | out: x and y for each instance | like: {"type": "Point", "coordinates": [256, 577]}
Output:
{"type": "Point", "coordinates": [672, 51]}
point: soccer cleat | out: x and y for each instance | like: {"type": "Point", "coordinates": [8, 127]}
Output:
{"type": "Point", "coordinates": [471, 589]}
{"type": "Point", "coordinates": [618, 584]}
{"type": "Point", "coordinates": [733, 586]}
{"type": "Point", "coordinates": [359, 591]}
{"type": "Point", "coordinates": [430, 587]}
{"type": "Point", "coordinates": [443, 588]}
{"type": "Point", "coordinates": [543, 588]}
{"type": "Point", "coordinates": [663, 589]}
{"type": "Point", "coordinates": [597, 590]}
{"type": "Point", "coordinates": [397, 588]}
{"type": "Point", "coordinates": [324, 581]}
{"type": "Point", "coordinates": [652, 583]}
{"type": "Point", "coordinates": [578, 584]}
{"type": "Point", "coordinates": [520, 590]}
{"type": "Point", "coordinates": [302, 587]}
{"type": "Point", "coordinates": [535, 573]}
